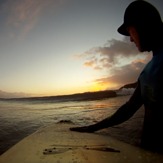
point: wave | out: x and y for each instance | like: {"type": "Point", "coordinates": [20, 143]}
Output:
{"type": "Point", "coordinates": [87, 96]}
{"type": "Point", "coordinates": [125, 91]}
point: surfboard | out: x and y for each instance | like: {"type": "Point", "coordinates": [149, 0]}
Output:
{"type": "Point", "coordinates": [57, 144]}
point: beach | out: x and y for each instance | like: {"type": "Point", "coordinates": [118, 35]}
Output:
{"type": "Point", "coordinates": [129, 131]}
{"type": "Point", "coordinates": [20, 119]}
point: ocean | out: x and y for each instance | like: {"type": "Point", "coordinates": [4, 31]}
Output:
{"type": "Point", "coordinates": [20, 118]}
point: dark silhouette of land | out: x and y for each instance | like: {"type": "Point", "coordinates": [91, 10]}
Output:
{"type": "Point", "coordinates": [76, 97]}
{"type": "Point", "coordinates": [72, 97]}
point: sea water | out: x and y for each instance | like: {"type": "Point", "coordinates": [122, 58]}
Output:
{"type": "Point", "coordinates": [19, 119]}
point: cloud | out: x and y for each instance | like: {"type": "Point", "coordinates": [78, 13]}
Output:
{"type": "Point", "coordinates": [123, 75]}
{"type": "Point", "coordinates": [110, 54]}
{"type": "Point", "coordinates": [119, 58]}
{"type": "Point", "coordinates": [23, 15]}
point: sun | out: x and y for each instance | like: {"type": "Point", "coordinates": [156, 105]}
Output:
{"type": "Point", "coordinates": [101, 86]}
{"type": "Point", "coordinates": [96, 87]}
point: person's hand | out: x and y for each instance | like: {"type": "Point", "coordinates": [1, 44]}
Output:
{"type": "Point", "coordinates": [88, 129]}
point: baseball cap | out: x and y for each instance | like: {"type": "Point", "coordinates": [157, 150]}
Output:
{"type": "Point", "coordinates": [139, 13]}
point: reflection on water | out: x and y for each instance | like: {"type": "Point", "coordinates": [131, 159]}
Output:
{"type": "Point", "coordinates": [19, 119]}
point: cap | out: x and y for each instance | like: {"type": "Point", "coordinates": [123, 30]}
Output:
{"type": "Point", "coordinates": [141, 13]}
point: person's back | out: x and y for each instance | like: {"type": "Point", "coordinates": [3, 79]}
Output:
{"type": "Point", "coordinates": [151, 83]}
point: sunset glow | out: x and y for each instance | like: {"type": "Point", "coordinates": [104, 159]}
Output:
{"type": "Point", "coordinates": [65, 47]}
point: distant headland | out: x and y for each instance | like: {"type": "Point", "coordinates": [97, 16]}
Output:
{"type": "Point", "coordinates": [86, 96]}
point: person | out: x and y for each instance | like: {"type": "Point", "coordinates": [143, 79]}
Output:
{"type": "Point", "coordinates": [143, 24]}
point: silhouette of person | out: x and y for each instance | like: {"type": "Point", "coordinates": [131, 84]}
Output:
{"type": "Point", "coordinates": [143, 24]}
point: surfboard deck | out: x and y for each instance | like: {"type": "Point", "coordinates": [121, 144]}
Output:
{"type": "Point", "coordinates": [57, 144]}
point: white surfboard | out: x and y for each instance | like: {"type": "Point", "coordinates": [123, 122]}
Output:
{"type": "Point", "coordinates": [57, 144]}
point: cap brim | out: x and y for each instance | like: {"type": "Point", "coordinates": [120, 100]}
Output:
{"type": "Point", "coordinates": [123, 30]}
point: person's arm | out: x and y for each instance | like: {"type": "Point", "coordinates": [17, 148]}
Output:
{"type": "Point", "coordinates": [122, 114]}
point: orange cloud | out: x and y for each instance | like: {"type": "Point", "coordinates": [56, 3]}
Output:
{"type": "Point", "coordinates": [120, 59]}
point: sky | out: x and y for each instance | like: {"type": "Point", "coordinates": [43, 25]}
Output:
{"type": "Point", "coordinates": [57, 47]}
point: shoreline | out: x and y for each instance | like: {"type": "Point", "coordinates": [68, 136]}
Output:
{"type": "Point", "coordinates": [128, 132]}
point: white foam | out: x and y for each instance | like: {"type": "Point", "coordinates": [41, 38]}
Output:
{"type": "Point", "coordinates": [125, 91]}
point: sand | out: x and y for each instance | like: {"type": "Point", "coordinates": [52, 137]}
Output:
{"type": "Point", "coordinates": [129, 131]}
{"type": "Point", "coordinates": [75, 147]}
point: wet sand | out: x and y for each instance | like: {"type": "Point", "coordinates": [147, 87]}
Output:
{"type": "Point", "coordinates": [129, 131]}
